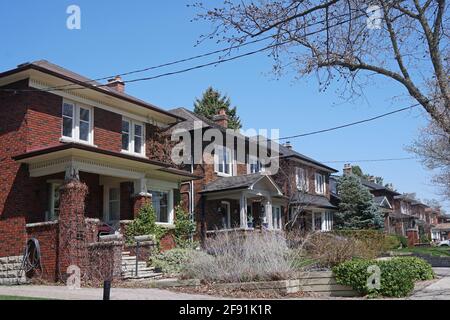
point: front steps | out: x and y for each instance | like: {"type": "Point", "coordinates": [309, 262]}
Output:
{"type": "Point", "coordinates": [129, 268]}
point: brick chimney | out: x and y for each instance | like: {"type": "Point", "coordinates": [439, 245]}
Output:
{"type": "Point", "coordinates": [347, 169]}
{"type": "Point", "coordinates": [288, 145]}
{"type": "Point", "coordinates": [221, 118]}
{"type": "Point", "coordinates": [116, 84]}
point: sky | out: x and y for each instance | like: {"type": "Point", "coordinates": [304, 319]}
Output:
{"type": "Point", "coordinates": [119, 36]}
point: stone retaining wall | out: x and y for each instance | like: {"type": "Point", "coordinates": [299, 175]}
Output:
{"type": "Point", "coordinates": [10, 271]}
{"type": "Point", "coordinates": [435, 261]}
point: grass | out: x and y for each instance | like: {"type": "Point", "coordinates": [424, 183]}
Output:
{"type": "Point", "coordinates": [434, 251]}
{"type": "Point", "coordinates": [20, 298]}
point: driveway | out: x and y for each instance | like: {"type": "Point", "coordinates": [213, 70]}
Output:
{"type": "Point", "coordinates": [436, 290]}
{"type": "Point", "coordinates": [63, 293]}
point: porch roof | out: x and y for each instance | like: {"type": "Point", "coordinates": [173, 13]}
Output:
{"type": "Point", "coordinates": [442, 227]}
{"type": "Point", "coordinates": [312, 200]}
{"type": "Point", "coordinates": [91, 152]}
{"type": "Point", "coordinates": [247, 181]}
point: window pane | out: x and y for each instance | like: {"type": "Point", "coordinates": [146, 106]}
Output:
{"type": "Point", "coordinates": [84, 131]}
{"type": "Point", "coordinates": [84, 114]}
{"type": "Point", "coordinates": [68, 110]}
{"type": "Point", "coordinates": [137, 144]}
{"type": "Point", "coordinates": [138, 130]}
{"type": "Point", "coordinates": [160, 204]}
{"type": "Point", "coordinates": [113, 194]}
{"type": "Point", "coordinates": [67, 127]}
{"type": "Point", "coordinates": [125, 141]}
{"type": "Point", "coordinates": [125, 126]}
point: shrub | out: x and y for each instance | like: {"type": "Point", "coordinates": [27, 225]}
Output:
{"type": "Point", "coordinates": [403, 240]}
{"type": "Point", "coordinates": [373, 240]}
{"type": "Point", "coordinates": [184, 228]}
{"type": "Point", "coordinates": [171, 262]}
{"type": "Point", "coordinates": [397, 275]}
{"type": "Point", "coordinates": [392, 242]}
{"type": "Point", "coordinates": [144, 224]}
{"type": "Point", "coordinates": [238, 257]}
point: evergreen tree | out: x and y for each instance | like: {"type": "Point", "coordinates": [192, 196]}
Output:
{"type": "Point", "coordinates": [357, 209]}
{"type": "Point", "coordinates": [210, 104]}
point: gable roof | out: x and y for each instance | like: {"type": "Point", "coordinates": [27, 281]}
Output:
{"type": "Point", "coordinates": [290, 153]}
{"type": "Point", "coordinates": [65, 74]}
{"type": "Point", "coordinates": [238, 182]}
{"type": "Point", "coordinates": [382, 201]}
{"type": "Point", "coordinates": [312, 200]}
{"type": "Point", "coordinates": [375, 186]}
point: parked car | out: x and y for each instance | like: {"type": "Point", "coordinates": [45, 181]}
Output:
{"type": "Point", "coordinates": [444, 243]}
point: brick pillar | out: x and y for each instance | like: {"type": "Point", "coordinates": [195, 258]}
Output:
{"type": "Point", "coordinates": [72, 227]}
{"type": "Point", "coordinates": [139, 201]}
{"type": "Point", "coordinates": [413, 237]}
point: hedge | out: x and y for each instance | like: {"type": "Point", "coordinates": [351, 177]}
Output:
{"type": "Point", "coordinates": [397, 275]}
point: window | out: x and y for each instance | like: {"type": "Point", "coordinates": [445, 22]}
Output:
{"type": "Point", "coordinates": [320, 183]}
{"type": "Point", "coordinates": [223, 161]}
{"type": "Point", "coordinates": [133, 136]}
{"type": "Point", "coordinates": [327, 224]}
{"type": "Point", "coordinates": [254, 165]}
{"type": "Point", "coordinates": [53, 208]}
{"type": "Point", "coordinates": [301, 179]}
{"type": "Point", "coordinates": [226, 214]}
{"type": "Point", "coordinates": [162, 202]}
{"type": "Point", "coordinates": [276, 217]}
{"type": "Point", "coordinates": [114, 204]}
{"type": "Point", "coordinates": [77, 122]}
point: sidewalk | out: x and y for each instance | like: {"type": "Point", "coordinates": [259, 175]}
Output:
{"type": "Point", "coordinates": [63, 293]}
{"type": "Point", "coordinates": [438, 290]}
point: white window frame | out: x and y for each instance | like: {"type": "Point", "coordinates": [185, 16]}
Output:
{"type": "Point", "coordinates": [301, 179]}
{"type": "Point", "coordinates": [253, 160]}
{"type": "Point", "coordinates": [50, 215]}
{"type": "Point", "coordinates": [230, 164]}
{"type": "Point", "coordinates": [276, 218]}
{"type": "Point", "coordinates": [170, 204]}
{"type": "Point", "coordinates": [320, 186]}
{"type": "Point", "coordinates": [76, 123]}
{"type": "Point", "coordinates": [131, 136]}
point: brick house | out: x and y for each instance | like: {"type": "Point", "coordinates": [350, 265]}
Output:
{"type": "Point", "coordinates": [402, 213]}
{"type": "Point", "coordinates": [242, 194]}
{"type": "Point", "coordinates": [56, 124]}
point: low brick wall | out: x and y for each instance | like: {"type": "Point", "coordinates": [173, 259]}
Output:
{"type": "Point", "coordinates": [105, 259]}
{"type": "Point", "coordinates": [47, 235]}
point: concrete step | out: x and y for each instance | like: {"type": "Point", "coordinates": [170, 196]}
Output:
{"type": "Point", "coordinates": [127, 258]}
{"type": "Point", "coordinates": [125, 253]}
{"type": "Point", "coordinates": [144, 276]}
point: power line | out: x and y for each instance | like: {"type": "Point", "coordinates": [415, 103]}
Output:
{"type": "Point", "coordinates": [369, 160]}
{"type": "Point", "coordinates": [58, 88]}
{"type": "Point", "coordinates": [349, 124]}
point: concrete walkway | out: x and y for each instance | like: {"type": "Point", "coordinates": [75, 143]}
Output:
{"type": "Point", "coordinates": [436, 290]}
{"type": "Point", "coordinates": [63, 293]}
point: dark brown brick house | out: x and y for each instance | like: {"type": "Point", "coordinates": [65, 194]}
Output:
{"type": "Point", "coordinates": [242, 194]}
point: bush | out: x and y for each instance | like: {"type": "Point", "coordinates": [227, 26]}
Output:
{"type": "Point", "coordinates": [184, 229]}
{"type": "Point", "coordinates": [392, 242]}
{"type": "Point", "coordinates": [238, 257]}
{"type": "Point", "coordinates": [397, 275]}
{"type": "Point", "coordinates": [144, 224]}
{"type": "Point", "coordinates": [373, 240]}
{"type": "Point", "coordinates": [403, 240]}
{"type": "Point", "coordinates": [171, 262]}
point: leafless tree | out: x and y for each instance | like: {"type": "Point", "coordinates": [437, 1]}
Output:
{"type": "Point", "coordinates": [348, 40]}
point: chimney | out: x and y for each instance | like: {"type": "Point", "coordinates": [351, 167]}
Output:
{"type": "Point", "coordinates": [372, 179]}
{"type": "Point", "coordinates": [116, 84]}
{"type": "Point", "coordinates": [221, 118]}
{"type": "Point", "coordinates": [288, 145]}
{"type": "Point", "coordinates": [347, 169]}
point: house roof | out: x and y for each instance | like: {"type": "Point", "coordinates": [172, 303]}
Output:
{"type": "Point", "coordinates": [237, 182]}
{"type": "Point", "coordinates": [382, 201]}
{"type": "Point", "coordinates": [442, 226]}
{"type": "Point", "coordinates": [60, 72]}
{"type": "Point", "coordinates": [207, 123]}
{"type": "Point", "coordinates": [311, 200]}
{"type": "Point", "coordinates": [375, 186]}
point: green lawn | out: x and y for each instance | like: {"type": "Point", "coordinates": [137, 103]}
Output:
{"type": "Point", "coordinates": [434, 251]}
{"type": "Point", "coordinates": [19, 298]}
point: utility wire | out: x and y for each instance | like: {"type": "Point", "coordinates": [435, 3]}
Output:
{"type": "Point", "coordinates": [349, 124]}
{"type": "Point", "coordinates": [369, 160]}
{"type": "Point", "coordinates": [58, 88]}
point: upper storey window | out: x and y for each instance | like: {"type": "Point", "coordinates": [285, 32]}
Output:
{"type": "Point", "coordinates": [320, 183]}
{"type": "Point", "coordinates": [254, 165]}
{"type": "Point", "coordinates": [133, 136]}
{"type": "Point", "coordinates": [301, 179]}
{"type": "Point", "coordinates": [223, 161]}
{"type": "Point", "coordinates": [77, 122]}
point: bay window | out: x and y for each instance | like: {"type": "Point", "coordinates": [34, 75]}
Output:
{"type": "Point", "coordinates": [162, 202]}
{"type": "Point", "coordinates": [77, 122]}
{"type": "Point", "coordinates": [133, 136]}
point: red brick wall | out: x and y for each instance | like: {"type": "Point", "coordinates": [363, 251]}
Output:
{"type": "Point", "coordinates": [12, 236]}
{"type": "Point", "coordinates": [107, 130]}
{"type": "Point", "coordinates": [47, 235]}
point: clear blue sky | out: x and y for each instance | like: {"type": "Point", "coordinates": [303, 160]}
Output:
{"type": "Point", "coordinates": [118, 36]}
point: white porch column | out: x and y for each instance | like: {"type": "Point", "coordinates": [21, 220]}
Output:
{"type": "Point", "coordinates": [140, 187]}
{"type": "Point", "coordinates": [268, 210]}
{"type": "Point", "coordinates": [243, 213]}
